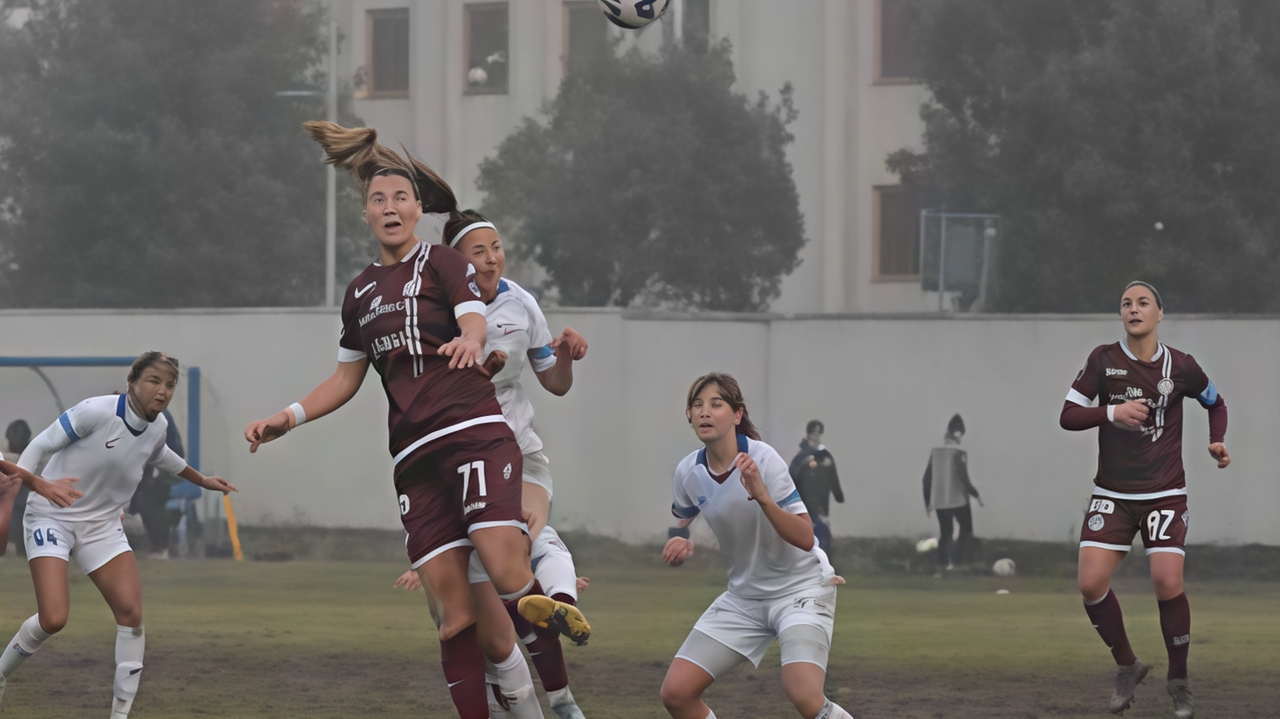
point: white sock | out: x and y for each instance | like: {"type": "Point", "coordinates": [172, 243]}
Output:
{"type": "Point", "coordinates": [25, 643]}
{"type": "Point", "coordinates": [831, 710]}
{"type": "Point", "coordinates": [555, 571]}
{"type": "Point", "coordinates": [517, 686]}
{"type": "Point", "coordinates": [560, 696]}
{"type": "Point", "coordinates": [131, 643]}
{"type": "Point", "coordinates": [493, 688]}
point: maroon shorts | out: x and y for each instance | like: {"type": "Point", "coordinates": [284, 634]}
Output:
{"type": "Point", "coordinates": [1111, 523]}
{"type": "Point", "coordinates": [459, 484]}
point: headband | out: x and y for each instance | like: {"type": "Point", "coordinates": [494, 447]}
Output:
{"type": "Point", "coordinates": [1140, 283]}
{"type": "Point", "coordinates": [468, 228]}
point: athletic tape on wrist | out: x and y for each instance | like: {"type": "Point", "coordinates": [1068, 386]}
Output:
{"type": "Point", "coordinates": [1111, 413]}
{"type": "Point", "coordinates": [299, 414]}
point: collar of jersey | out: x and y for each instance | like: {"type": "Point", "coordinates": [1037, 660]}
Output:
{"type": "Point", "coordinates": [123, 410]}
{"type": "Point", "coordinates": [1124, 345]}
{"type": "Point", "coordinates": [407, 257]}
{"type": "Point", "coordinates": [503, 286]}
{"type": "Point", "coordinates": [702, 453]}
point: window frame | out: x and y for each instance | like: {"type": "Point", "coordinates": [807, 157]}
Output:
{"type": "Point", "coordinates": [467, 9]}
{"type": "Point", "coordinates": [877, 226]}
{"type": "Point", "coordinates": [371, 16]}
{"type": "Point", "coordinates": [880, 77]}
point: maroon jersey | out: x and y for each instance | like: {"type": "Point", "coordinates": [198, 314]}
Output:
{"type": "Point", "coordinates": [397, 316]}
{"type": "Point", "coordinates": [1148, 460]}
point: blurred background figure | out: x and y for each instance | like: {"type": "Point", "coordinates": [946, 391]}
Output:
{"type": "Point", "coordinates": [13, 503]}
{"type": "Point", "coordinates": [813, 470]}
{"type": "Point", "coordinates": [184, 520]}
{"type": "Point", "coordinates": [151, 499]}
{"type": "Point", "coordinates": [947, 489]}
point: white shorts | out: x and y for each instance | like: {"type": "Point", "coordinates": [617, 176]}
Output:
{"type": "Point", "coordinates": [749, 626]}
{"type": "Point", "coordinates": [537, 470]}
{"type": "Point", "coordinates": [90, 544]}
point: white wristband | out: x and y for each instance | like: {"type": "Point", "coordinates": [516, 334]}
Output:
{"type": "Point", "coordinates": [1111, 413]}
{"type": "Point", "coordinates": [299, 414]}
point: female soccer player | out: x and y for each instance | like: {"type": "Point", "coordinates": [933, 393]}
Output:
{"type": "Point", "coordinates": [105, 442]}
{"type": "Point", "coordinates": [417, 318]}
{"type": "Point", "coordinates": [1132, 391]}
{"type": "Point", "coordinates": [780, 583]}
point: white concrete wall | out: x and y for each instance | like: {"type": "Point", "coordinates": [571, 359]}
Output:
{"type": "Point", "coordinates": [885, 387]}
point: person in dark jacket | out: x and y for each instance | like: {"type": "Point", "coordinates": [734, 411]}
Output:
{"type": "Point", "coordinates": [813, 470]}
{"type": "Point", "coordinates": [947, 490]}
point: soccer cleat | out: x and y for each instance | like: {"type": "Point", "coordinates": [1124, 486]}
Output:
{"type": "Point", "coordinates": [563, 704]}
{"type": "Point", "coordinates": [545, 612]}
{"type": "Point", "coordinates": [1180, 692]}
{"type": "Point", "coordinates": [1127, 680]}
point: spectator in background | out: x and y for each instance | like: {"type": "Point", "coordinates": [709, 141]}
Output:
{"type": "Point", "coordinates": [183, 517]}
{"type": "Point", "coordinates": [947, 489]}
{"type": "Point", "coordinates": [152, 495]}
{"type": "Point", "coordinates": [13, 502]}
{"type": "Point", "coordinates": [814, 472]}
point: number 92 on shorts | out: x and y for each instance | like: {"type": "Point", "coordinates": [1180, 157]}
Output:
{"type": "Point", "coordinates": [1111, 523]}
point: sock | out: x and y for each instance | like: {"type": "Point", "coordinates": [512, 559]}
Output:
{"type": "Point", "coordinates": [517, 685]}
{"type": "Point", "coordinates": [1175, 624]}
{"type": "Point", "coordinates": [1109, 621]}
{"type": "Point", "coordinates": [512, 602]}
{"type": "Point", "coordinates": [561, 697]}
{"type": "Point", "coordinates": [548, 657]}
{"type": "Point", "coordinates": [131, 643]}
{"type": "Point", "coordinates": [25, 643]}
{"type": "Point", "coordinates": [831, 710]}
{"type": "Point", "coordinates": [463, 663]}
{"type": "Point", "coordinates": [498, 704]}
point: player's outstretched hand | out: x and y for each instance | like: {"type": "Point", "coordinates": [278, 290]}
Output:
{"type": "Point", "coordinates": [837, 580]}
{"type": "Point", "coordinates": [676, 551]}
{"type": "Point", "coordinates": [751, 479]}
{"type": "Point", "coordinates": [218, 484]}
{"type": "Point", "coordinates": [1131, 414]}
{"type": "Point", "coordinates": [409, 581]}
{"type": "Point", "coordinates": [494, 363]}
{"type": "Point", "coordinates": [569, 344]}
{"type": "Point", "coordinates": [1218, 451]}
{"type": "Point", "coordinates": [582, 584]}
{"type": "Point", "coordinates": [61, 492]}
{"type": "Point", "coordinates": [462, 352]}
{"type": "Point", "coordinates": [264, 430]}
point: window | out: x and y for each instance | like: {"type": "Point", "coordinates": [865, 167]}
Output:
{"type": "Point", "coordinates": [697, 23]}
{"type": "Point", "coordinates": [488, 58]}
{"type": "Point", "coordinates": [896, 46]}
{"type": "Point", "coordinates": [388, 53]}
{"type": "Point", "coordinates": [586, 34]}
{"type": "Point", "coordinates": [897, 228]}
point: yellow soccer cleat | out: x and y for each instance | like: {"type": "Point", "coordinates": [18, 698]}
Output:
{"type": "Point", "coordinates": [546, 612]}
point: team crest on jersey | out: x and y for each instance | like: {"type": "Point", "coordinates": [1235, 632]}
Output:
{"type": "Point", "coordinates": [1096, 522]}
{"type": "Point", "coordinates": [506, 471]}
{"type": "Point", "coordinates": [1186, 518]}
{"type": "Point", "coordinates": [475, 290]}
{"type": "Point", "coordinates": [1165, 386]}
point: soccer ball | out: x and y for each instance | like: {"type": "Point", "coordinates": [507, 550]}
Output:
{"type": "Point", "coordinates": [633, 14]}
{"type": "Point", "coordinates": [1004, 567]}
{"type": "Point", "coordinates": [925, 546]}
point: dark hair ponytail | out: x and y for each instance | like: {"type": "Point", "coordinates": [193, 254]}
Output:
{"type": "Point", "coordinates": [732, 394]}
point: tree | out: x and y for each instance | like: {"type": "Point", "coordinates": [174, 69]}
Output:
{"type": "Point", "coordinates": [146, 159]}
{"type": "Point", "coordinates": [1085, 123]}
{"type": "Point", "coordinates": [651, 182]}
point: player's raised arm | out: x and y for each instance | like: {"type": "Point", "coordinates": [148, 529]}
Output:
{"type": "Point", "coordinates": [568, 347]}
{"type": "Point", "coordinates": [329, 395]}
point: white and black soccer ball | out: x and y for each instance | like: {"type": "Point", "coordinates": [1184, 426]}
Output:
{"type": "Point", "coordinates": [633, 14]}
{"type": "Point", "coordinates": [1004, 567]}
{"type": "Point", "coordinates": [924, 546]}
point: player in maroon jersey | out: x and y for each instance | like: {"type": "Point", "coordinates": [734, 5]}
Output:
{"type": "Point", "coordinates": [416, 316]}
{"type": "Point", "coordinates": [1132, 391]}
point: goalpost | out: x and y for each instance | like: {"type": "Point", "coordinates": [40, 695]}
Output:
{"type": "Point", "coordinates": [192, 397]}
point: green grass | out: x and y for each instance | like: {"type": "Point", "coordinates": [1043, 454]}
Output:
{"type": "Point", "coordinates": [333, 639]}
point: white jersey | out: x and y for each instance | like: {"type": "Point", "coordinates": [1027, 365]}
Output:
{"type": "Point", "coordinates": [762, 565]}
{"type": "Point", "coordinates": [104, 444]}
{"type": "Point", "coordinates": [518, 328]}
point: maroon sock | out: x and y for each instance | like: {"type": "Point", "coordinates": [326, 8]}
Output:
{"type": "Point", "coordinates": [1175, 624]}
{"type": "Point", "coordinates": [1109, 622]}
{"type": "Point", "coordinates": [523, 627]}
{"type": "Point", "coordinates": [548, 658]}
{"type": "Point", "coordinates": [564, 599]}
{"type": "Point", "coordinates": [463, 663]}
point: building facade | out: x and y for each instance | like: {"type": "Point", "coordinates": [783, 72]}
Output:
{"type": "Point", "coordinates": [450, 79]}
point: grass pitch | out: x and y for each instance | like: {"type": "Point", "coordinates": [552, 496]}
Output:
{"type": "Point", "coordinates": [333, 639]}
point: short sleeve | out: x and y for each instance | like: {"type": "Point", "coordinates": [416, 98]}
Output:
{"type": "Point", "coordinates": [350, 347]}
{"type": "Point", "coordinates": [1084, 391]}
{"type": "Point", "coordinates": [1196, 383]}
{"type": "Point", "coordinates": [455, 275]}
{"type": "Point", "coordinates": [683, 506]}
{"type": "Point", "coordinates": [167, 460]}
{"type": "Point", "coordinates": [82, 419]}
{"type": "Point", "coordinates": [541, 356]}
{"type": "Point", "coordinates": [778, 479]}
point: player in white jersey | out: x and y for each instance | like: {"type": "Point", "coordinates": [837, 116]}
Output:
{"type": "Point", "coordinates": [781, 585]}
{"type": "Point", "coordinates": [105, 442]}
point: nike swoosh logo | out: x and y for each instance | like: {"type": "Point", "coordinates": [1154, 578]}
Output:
{"type": "Point", "coordinates": [111, 443]}
{"type": "Point", "coordinates": [454, 684]}
{"type": "Point", "coordinates": [508, 331]}
{"type": "Point", "coordinates": [360, 292]}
